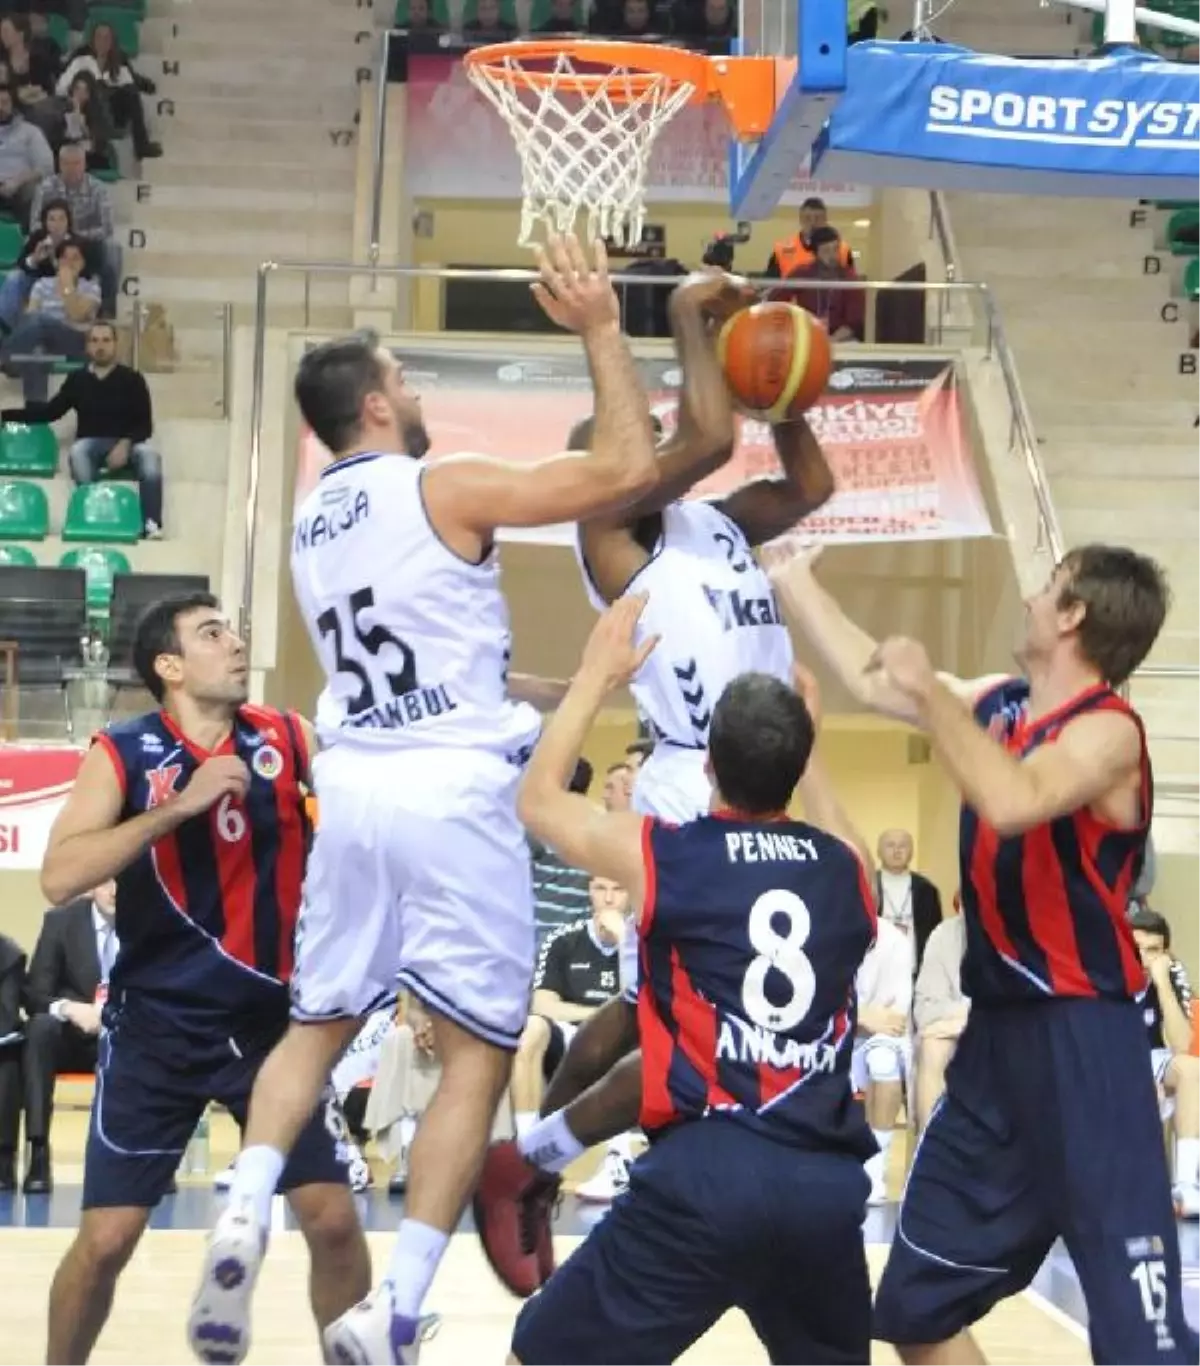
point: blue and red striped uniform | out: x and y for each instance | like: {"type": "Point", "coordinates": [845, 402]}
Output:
{"type": "Point", "coordinates": [1046, 911]}
{"type": "Point", "coordinates": [751, 935]}
{"type": "Point", "coordinates": [207, 915]}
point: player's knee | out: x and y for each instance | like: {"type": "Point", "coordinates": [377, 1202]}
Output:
{"type": "Point", "coordinates": [884, 1063]}
{"type": "Point", "coordinates": [329, 1222]}
{"type": "Point", "coordinates": [107, 1239]}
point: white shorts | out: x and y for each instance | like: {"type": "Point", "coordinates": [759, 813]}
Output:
{"type": "Point", "coordinates": [860, 1076]}
{"type": "Point", "coordinates": [419, 876]}
{"type": "Point", "coordinates": [673, 786]}
{"type": "Point", "coordinates": [1160, 1060]}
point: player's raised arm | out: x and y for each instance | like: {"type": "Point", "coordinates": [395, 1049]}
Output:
{"type": "Point", "coordinates": [89, 843]}
{"type": "Point", "coordinates": [1095, 754]}
{"type": "Point", "coordinates": [468, 496]}
{"type": "Point", "coordinates": [606, 843]}
{"type": "Point", "coordinates": [766, 508]}
{"type": "Point", "coordinates": [846, 648]}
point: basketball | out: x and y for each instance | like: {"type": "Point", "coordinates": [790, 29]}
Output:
{"type": "Point", "coordinates": [776, 359]}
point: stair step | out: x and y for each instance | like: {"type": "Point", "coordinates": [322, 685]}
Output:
{"type": "Point", "coordinates": [223, 176]}
{"type": "Point", "coordinates": [270, 159]}
{"type": "Point", "coordinates": [1133, 461]}
{"type": "Point", "coordinates": [217, 70]}
{"type": "Point", "coordinates": [302, 242]}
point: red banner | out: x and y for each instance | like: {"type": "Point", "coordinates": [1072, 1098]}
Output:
{"type": "Point", "coordinates": [34, 782]}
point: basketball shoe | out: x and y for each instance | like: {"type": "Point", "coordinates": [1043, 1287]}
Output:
{"type": "Point", "coordinates": [219, 1324]}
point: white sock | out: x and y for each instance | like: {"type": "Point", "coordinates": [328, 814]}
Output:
{"type": "Point", "coordinates": [408, 1131]}
{"type": "Point", "coordinates": [874, 1169]}
{"type": "Point", "coordinates": [884, 1138]}
{"type": "Point", "coordinates": [1187, 1161]}
{"type": "Point", "coordinates": [622, 1145]}
{"type": "Point", "coordinates": [415, 1256]}
{"type": "Point", "coordinates": [550, 1144]}
{"type": "Point", "coordinates": [524, 1121]}
{"type": "Point", "coordinates": [255, 1177]}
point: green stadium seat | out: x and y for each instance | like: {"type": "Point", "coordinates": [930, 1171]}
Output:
{"type": "Point", "coordinates": [541, 13]}
{"type": "Point", "coordinates": [1191, 280]}
{"type": "Point", "coordinates": [1183, 228]}
{"type": "Point", "coordinates": [111, 173]}
{"type": "Point", "coordinates": [125, 24]}
{"type": "Point", "coordinates": [17, 557]}
{"type": "Point", "coordinates": [59, 31]}
{"type": "Point", "coordinates": [24, 511]}
{"type": "Point", "coordinates": [28, 450]}
{"type": "Point", "coordinates": [105, 513]}
{"type": "Point", "coordinates": [12, 239]}
{"type": "Point", "coordinates": [1170, 205]}
{"type": "Point", "coordinates": [99, 564]}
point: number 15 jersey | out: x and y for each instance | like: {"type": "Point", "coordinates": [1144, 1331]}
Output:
{"type": "Point", "coordinates": [752, 934]}
{"type": "Point", "coordinates": [414, 639]}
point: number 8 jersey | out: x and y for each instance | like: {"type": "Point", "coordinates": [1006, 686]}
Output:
{"type": "Point", "coordinates": [752, 933]}
{"type": "Point", "coordinates": [414, 639]}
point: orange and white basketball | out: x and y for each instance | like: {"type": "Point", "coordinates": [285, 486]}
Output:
{"type": "Point", "coordinates": [776, 358]}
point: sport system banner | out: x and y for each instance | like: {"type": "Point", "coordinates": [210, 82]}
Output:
{"type": "Point", "coordinates": [1126, 124]}
{"type": "Point", "coordinates": [891, 429]}
{"type": "Point", "coordinates": [34, 782]}
{"type": "Point", "coordinates": [457, 147]}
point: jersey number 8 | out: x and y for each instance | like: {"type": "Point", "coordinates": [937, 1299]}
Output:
{"type": "Point", "coordinates": [785, 954]}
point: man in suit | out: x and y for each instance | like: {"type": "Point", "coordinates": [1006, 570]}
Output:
{"type": "Point", "coordinates": [911, 902]}
{"type": "Point", "coordinates": [12, 990]}
{"type": "Point", "coordinates": [68, 978]}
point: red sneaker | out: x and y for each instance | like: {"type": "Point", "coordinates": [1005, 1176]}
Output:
{"type": "Point", "coordinates": [513, 1206]}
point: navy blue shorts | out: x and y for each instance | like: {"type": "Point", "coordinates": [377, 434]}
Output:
{"type": "Point", "coordinates": [151, 1090]}
{"type": "Point", "coordinates": [1049, 1128]}
{"type": "Point", "coordinates": [714, 1217]}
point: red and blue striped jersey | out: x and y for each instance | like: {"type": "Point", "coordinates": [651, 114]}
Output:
{"type": "Point", "coordinates": [1046, 911]}
{"type": "Point", "coordinates": [751, 935]}
{"type": "Point", "coordinates": [206, 916]}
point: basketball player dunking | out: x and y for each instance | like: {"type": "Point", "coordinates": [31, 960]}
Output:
{"type": "Point", "coordinates": [197, 810]}
{"type": "Point", "coordinates": [1050, 1125]}
{"type": "Point", "coordinates": [714, 612]}
{"type": "Point", "coordinates": [752, 928]}
{"type": "Point", "coordinates": [419, 863]}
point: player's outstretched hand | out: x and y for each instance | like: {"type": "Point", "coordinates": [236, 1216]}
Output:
{"type": "Point", "coordinates": [804, 681]}
{"type": "Point", "coordinates": [789, 555]}
{"type": "Point", "coordinates": [611, 656]}
{"type": "Point", "coordinates": [713, 293]}
{"type": "Point", "coordinates": [225, 775]}
{"type": "Point", "coordinates": [574, 292]}
{"type": "Point", "coordinates": [906, 664]}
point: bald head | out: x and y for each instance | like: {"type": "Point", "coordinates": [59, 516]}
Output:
{"type": "Point", "coordinates": [895, 851]}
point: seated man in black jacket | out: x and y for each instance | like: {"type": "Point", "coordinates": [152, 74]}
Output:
{"type": "Point", "coordinates": [114, 422]}
{"type": "Point", "coordinates": [12, 988]}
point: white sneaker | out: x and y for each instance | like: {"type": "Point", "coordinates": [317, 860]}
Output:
{"type": "Point", "coordinates": [608, 1182]}
{"type": "Point", "coordinates": [152, 531]}
{"type": "Point", "coordinates": [372, 1334]}
{"type": "Point", "coordinates": [223, 1180]}
{"type": "Point", "coordinates": [219, 1324]}
{"type": "Point", "coordinates": [1187, 1200]}
{"type": "Point", "coordinates": [359, 1169]}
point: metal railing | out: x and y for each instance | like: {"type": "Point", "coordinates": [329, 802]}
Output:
{"type": "Point", "coordinates": [224, 316]}
{"type": "Point", "coordinates": [381, 104]}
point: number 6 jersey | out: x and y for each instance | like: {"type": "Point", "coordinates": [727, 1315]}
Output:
{"type": "Point", "coordinates": [414, 640]}
{"type": "Point", "coordinates": [752, 934]}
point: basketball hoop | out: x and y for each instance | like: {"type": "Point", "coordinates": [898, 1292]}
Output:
{"type": "Point", "coordinates": [585, 117]}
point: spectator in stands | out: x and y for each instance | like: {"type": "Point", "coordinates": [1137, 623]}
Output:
{"type": "Point", "coordinates": [37, 261]}
{"type": "Point", "coordinates": [68, 982]}
{"type": "Point", "coordinates": [12, 991]}
{"type": "Point", "coordinates": [940, 1011]}
{"type": "Point", "coordinates": [563, 18]}
{"type": "Point", "coordinates": [882, 1050]}
{"type": "Point", "coordinates": [577, 972]}
{"type": "Point", "coordinates": [61, 310]}
{"type": "Point", "coordinates": [791, 253]}
{"type": "Point", "coordinates": [842, 311]}
{"type": "Point", "coordinates": [86, 121]}
{"type": "Point", "coordinates": [25, 160]}
{"type": "Point", "coordinates": [489, 22]}
{"type": "Point", "coordinates": [618, 787]}
{"type": "Point", "coordinates": [911, 902]}
{"type": "Point", "coordinates": [91, 216]}
{"type": "Point", "coordinates": [30, 73]}
{"type": "Point", "coordinates": [114, 422]}
{"type": "Point", "coordinates": [1167, 1006]}
{"type": "Point", "coordinates": [560, 893]}
{"type": "Point", "coordinates": [420, 20]}
{"type": "Point", "coordinates": [101, 57]}
{"type": "Point", "coordinates": [712, 21]}
{"type": "Point", "coordinates": [41, 40]}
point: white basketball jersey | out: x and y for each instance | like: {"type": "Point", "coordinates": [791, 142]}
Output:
{"type": "Point", "coordinates": [413, 638]}
{"type": "Point", "coordinates": [715, 613]}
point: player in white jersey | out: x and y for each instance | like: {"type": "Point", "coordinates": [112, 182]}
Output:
{"type": "Point", "coordinates": [420, 866]}
{"type": "Point", "coordinates": [714, 613]}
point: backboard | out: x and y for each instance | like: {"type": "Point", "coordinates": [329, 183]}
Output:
{"type": "Point", "coordinates": [808, 37]}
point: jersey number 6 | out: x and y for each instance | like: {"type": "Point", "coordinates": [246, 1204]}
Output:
{"type": "Point", "coordinates": [345, 625]}
{"type": "Point", "coordinates": [785, 954]}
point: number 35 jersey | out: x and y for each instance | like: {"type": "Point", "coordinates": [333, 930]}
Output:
{"type": "Point", "coordinates": [752, 934]}
{"type": "Point", "coordinates": [715, 614]}
{"type": "Point", "coordinates": [414, 639]}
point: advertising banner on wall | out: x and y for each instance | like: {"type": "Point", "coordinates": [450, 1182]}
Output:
{"type": "Point", "coordinates": [457, 147]}
{"type": "Point", "coordinates": [891, 429]}
{"type": "Point", "coordinates": [34, 782]}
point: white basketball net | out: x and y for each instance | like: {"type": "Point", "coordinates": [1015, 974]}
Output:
{"type": "Point", "coordinates": [583, 151]}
